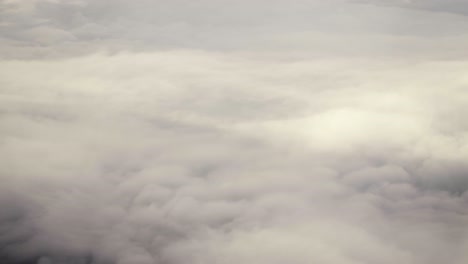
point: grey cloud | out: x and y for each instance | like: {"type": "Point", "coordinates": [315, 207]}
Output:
{"type": "Point", "coordinates": [51, 29]}
{"type": "Point", "coordinates": [449, 6]}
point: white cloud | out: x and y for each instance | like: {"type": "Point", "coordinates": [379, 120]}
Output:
{"type": "Point", "coordinates": [205, 157]}
{"type": "Point", "coordinates": [231, 132]}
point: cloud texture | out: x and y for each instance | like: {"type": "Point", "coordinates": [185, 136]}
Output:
{"type": "Point", "coordinates": [170, 132]}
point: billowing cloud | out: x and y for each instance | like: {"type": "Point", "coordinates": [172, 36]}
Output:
{"type": "Point", "coordinates": [131, 135]}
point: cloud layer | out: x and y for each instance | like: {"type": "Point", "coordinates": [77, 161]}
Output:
{"type": "Point", "coordinates": [305, 28]}
{"type": "Point", "coordinates": [168, 132]}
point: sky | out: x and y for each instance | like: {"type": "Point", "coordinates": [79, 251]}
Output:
{"type": "Point", "coordinates": [226, 132]}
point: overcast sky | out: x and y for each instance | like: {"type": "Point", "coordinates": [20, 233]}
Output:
{"type": "Point", "coordinates": [227, 132]}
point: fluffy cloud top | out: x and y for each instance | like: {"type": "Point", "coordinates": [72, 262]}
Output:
{"type": "Point", "coordinates": [169, 132]}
